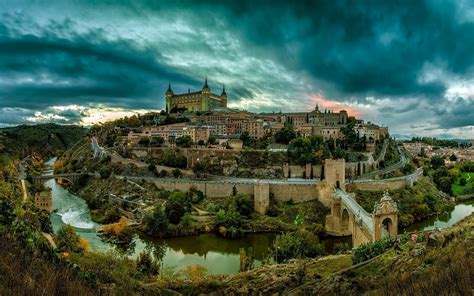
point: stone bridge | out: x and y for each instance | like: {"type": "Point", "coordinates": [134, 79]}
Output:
{"type": "Point", "coordinates": [347, 217]}
{"type": "Point", "coordinates": [71, 178]}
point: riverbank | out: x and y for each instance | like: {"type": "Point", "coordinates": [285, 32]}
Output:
{"type": "Point", "coordinates": [444, 265]}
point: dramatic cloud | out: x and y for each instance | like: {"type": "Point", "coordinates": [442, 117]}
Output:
{"type": "Point", "coordinates": [408, 65]}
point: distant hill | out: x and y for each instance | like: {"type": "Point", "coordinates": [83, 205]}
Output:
{"type": "Point", "coordinates": [44, 140]}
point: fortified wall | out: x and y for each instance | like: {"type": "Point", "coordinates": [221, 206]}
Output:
{"type": "Point", "coordinates": [384, 184]}
{"type": "Point", "coordinates": [219, 189]}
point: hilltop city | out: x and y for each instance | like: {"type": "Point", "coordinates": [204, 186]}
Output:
{"type": "Point", "coordinates": [205, 116]}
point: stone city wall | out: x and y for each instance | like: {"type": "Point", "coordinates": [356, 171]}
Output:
{"type": "Point", "coordinates": [296, 171]}
{"type": "Point", "coordinates": [283, 192]}
{"type": "Point", "coordinates": [384, 184]}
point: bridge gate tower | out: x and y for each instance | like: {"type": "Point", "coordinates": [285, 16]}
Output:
{"type": "Point", "coordinates": [385, 216]}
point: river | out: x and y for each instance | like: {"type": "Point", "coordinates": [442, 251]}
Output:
{"type": "Point", "coordinates": [444, 220]}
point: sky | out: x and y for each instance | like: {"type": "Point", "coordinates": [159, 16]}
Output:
{"type": "Point", "coordinates": [408, 65]}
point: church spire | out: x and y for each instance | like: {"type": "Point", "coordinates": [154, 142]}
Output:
{"type": "Point", "coordinates": [169, 91]}
{"type": "Point", "coordinates": [223, 90]}
{"type": "Point", "coordinates": [206, 87]}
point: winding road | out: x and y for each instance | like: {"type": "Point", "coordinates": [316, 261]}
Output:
{"type": "Point", "coordinates": [403, 161]}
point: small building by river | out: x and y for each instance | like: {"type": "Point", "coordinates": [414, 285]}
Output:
{"type": "Point", "coordinates": [43, 200]}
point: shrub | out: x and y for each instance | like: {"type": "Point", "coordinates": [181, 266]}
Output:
{"type": "Point", "coordinates": [228, 219]}
{"type": "Point", "coordinates": [67, 240]}
{"type": "Point", "coordinates": [298, 244]}
{"type": "Point", "coordinates": [177, 173]}
{"type": "Point", "coordinates": [163, 174]}
{"type": "Point", "coordinates": [370, 250]}
{"type": "Point", "coordinates": [146, 265]}
{"type": "Point", "coordinates": [151, 167]}
{"type": "Point", "coordinates": [186, 220]}
{"type": "Point", "coordinates": [105, 172]}
{"type": "Point", "coordinates": [437, 162]}
{"type": "Point", "coordinates": [195, 195]}
{"type": "Point", "coordinates": [156, 222]}
{"type": "Point", "coordinates": [178, 204]}
{"type": "Point", "coordinates": [244, 204]}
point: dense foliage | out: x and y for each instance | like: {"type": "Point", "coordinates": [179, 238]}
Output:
{"type": "Point", "coordinates": [415, 203]}
{"type": "Point", "coordinates": [44, 140]}
{"type": "Point", "coordinates": [298, 244]}
{"type": "Point", "coordinates": [155, 222]}
{"type": "Point", "coordinates": [370, 250]}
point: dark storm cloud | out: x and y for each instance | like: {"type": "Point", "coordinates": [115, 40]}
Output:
{"type": "Point", "coordinates": [275, 54]}
{"type": "Point", "coordinates": [365, 48]}
{"type": "Point", "coordinates": [458, 113]}
{"type": "Point", "coordinates": [52, 70]}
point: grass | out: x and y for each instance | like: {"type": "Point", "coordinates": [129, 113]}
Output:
{"type": "Point", "coordinates": [458, 189]}
{"type": "Point", "coordinates": [326, 266]}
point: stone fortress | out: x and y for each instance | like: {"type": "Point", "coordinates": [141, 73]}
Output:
{"type": "Point", "coordinates": [200, 101]}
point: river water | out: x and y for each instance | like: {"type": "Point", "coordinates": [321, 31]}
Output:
{"type": "Point", "coordinates": [444, 220]}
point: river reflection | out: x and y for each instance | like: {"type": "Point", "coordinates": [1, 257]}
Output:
{"type": "Point", "coordinates": [444, 220]}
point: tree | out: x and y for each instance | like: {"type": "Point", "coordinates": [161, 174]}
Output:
{"type": "Point", "coordinates": [177, 206]}
{"type": "Point", "coordinates": [462, 182]}
{"type": "Point", "coordinates": [298, 244]}
{"type": "Point", "coordinates": [184, 141]}
{"type": "Point", "coordinates": [301, 151]}
{"type": "Point", "coordinates": [201, 166]}
{"type": "Point", "coordinates": [156, 222]}
{"type": "Point", "coordinates": [105, 172]}
{"type": "Point", "coordinates": [436, 162]}
{"type": "Point", "coordinates": [244, 204]}
{"type": "Point", "coordinates": [144, 141]}
{"type": "Point", "coordinates": [151, 167]}
{"type": "Point", "coordinates": [408, 168]}
{"type": "Point", "coordinates": [445, 185]}
{"type": "Point", "coordinates": [453, 157]}
{"type": "Point", "coordinates": [285, 135]}
{"type": "Point", "coordinates": [176, 173]}
{"type": "Point", "coordinates": [67, 240]}
{"type": "Point", "coordinates": [212, 140]}
{"type": "Point", "coordinates": [157, 141]}
{"type": "Point", "coordinates": [339, 153]}
{"type": "Point", "coordinates": [246, 139]}
{"type": "Point", "coordinates": [146, 265]}
{"type": "Point", "coordinates": [422, 152]}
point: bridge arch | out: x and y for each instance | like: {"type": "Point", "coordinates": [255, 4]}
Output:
{"type": "Point", "coordinates": [345, 221]}
{"type": "Point", "coordinates": [71, 178]}
{"type": "Point", "coordinates": [387, 227]}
